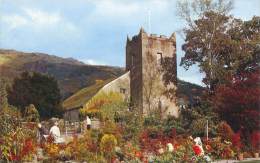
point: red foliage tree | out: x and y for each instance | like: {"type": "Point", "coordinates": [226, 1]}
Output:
{"type": "Point", "coordinates": [238, 102]}
{"type": "Point", "coordinates": [255, 140]}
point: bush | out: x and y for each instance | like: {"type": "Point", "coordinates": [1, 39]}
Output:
{"type": "Point", "coordinates": [194, 119]}
{"type": "Point", "coordinates": [255, 141]}
{"type": "Point", "coordinates": [107, 146]}
{"type": "Point", "coordinates": [132, 125]}
{"type": "Point", "coordinates": [31, 114]}
{"type": "Point", "coordinates": [236, 142]}
{"type": "Point", "coordinates": [17, 142]}
{"type": "Point", "coordinates": [219, 150]}
{"type": "Point", "coordinates": [225, 131]}
{"type": "Point", "coordinates": [172, 126]}
{"type": "Point", "coordinates": [104, 106]}
{"type": "Point", "coordinates": [198, 127]}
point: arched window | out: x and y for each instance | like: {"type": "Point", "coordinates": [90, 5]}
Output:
{"type": "Point", "coordinates": [159, 58]}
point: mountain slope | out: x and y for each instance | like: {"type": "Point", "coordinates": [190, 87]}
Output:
{"type": "Point", "coordinates": [188, 91]}
{"type": "Point", "coordinates": [71, 74]}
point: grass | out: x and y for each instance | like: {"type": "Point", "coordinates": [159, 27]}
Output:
{"type": "Point", "coordinates": [83, 95]}
{"type": "Point", "coordinates": [4, 59]}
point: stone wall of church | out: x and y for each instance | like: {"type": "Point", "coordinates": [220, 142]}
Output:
{"type": "Point", "coordinates": [144, 57]}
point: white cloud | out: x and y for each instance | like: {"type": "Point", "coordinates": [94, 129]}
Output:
{"type": "Point", "coordinates": [39, 17]}
{"type": "Point", "coordinates": [14, 20]}
{"type": "Point", "coordinates": [38, 20]}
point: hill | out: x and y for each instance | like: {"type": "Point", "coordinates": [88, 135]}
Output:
{"type": "Point", "coordinates": [188, 91]}
{"type": "Point", "coordinates": [72, 75]}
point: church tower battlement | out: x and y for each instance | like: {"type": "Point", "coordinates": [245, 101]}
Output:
{"type": "Point", "coordinates": [145, 56]}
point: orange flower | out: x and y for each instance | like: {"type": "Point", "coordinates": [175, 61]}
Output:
{"type": "Point", "coordinates": [208, 148]}
{"type": "Point", "coordinates": [138, 154]}
{"type": "Point", "coordinates": [176, 146]}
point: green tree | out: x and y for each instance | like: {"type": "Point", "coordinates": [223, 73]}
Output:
{"type": "Point", "coordinates": [40, 90]}
{"type": "Point", "coordinates": [219, 44]}
{"type": "Point", "coordinates": [194, 119]}
{"type": "Point", "coordinates": [206, 36]}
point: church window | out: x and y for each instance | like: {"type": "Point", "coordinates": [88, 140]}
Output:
{"type": "Point", "coordinates": [122, 90]}
{"type": "Point", "coordinates": [159, 58]}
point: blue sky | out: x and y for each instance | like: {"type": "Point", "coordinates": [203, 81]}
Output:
{"type": "Point", "coordinates": [94, 31]}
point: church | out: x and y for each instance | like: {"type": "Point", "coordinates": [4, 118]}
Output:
{"type": "Point", "coordinates": [149, 83]}
{"type": "Point", "coordinates": [145, 83]}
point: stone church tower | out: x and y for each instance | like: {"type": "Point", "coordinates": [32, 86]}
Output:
{"type": "Point", "coordinates": [145, 56]}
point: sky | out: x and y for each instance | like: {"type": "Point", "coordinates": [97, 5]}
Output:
{"type": "Point", "coordinates": [95, 31]}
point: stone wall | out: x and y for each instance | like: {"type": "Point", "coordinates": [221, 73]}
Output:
{"type": "Point", "coordinates": [134, 65]}
{"type": "Point", "coordinates": [144, 56]}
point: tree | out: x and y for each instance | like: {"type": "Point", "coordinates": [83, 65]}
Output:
{"type": "Point", "coordinates": [31, 114]}
{"type": "Point", "coordinates": [206, 29]}
{"type": "Point", "coordinates": [3, 95]}
{"type": "Point", "coordinates": [247, 36]}
{"type": "Point", "coordinates": [194, 119]}
{"type": "Point", "coordinates": [219, 44]}
{"type": "Point", "coordinates": [190, 10]}
{"type": "Point", "coordinates": [238, 102]}
{"type": "Point", "coordinates": [37, 89]}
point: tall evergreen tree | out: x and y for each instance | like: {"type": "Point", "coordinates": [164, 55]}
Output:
{"type": "Point", "coordinates": [38, 89]}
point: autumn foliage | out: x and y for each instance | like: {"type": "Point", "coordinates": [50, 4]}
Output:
{"type": "Point", "coordinates": [238, 102]}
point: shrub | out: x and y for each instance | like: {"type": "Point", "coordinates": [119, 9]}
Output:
{"type": "Point", "coordinates": [225, 131]}
{"type": "Point", "coordinates": [107, 145]}
{"type": "Point", "coordinates": [218, 149]}
{"type": "Point", "coordinates": [104, 106]}
{"type": "Point", "coordinates": [31, 114]}
{"type": "Point", "coordinates": [198, 127]}
{"type": "Point", "coordinates": [255, 141]}
{"type": "Point", "coordinates": [172, 126]}
{"type": "Point", "coordinates": [193, 119]}
{"type": "Point", "coordinates": [236, 142]}
{"type": "Point", "coordinates": [17, 142]}
{"type": "Point", "coordinates": [132, 125]}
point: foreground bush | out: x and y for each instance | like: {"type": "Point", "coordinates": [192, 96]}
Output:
{"type": "Point", "coordinates": [17, 140]}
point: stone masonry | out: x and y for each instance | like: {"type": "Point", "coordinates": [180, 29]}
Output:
{"type": "Point", "coordinates": [144, 55]}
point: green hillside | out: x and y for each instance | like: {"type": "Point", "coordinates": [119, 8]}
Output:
{"type": "Point", "coordinates": [188, 89]}
{"type": "Point", "coordinates": [71, 74]}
